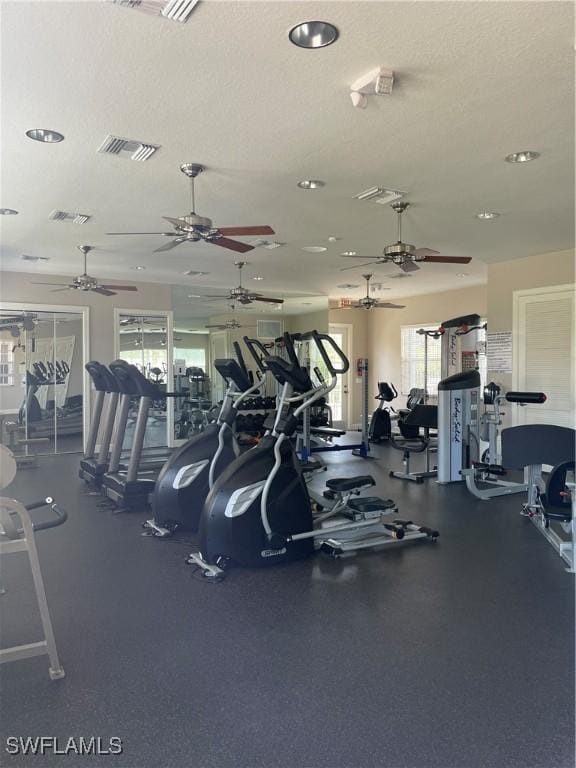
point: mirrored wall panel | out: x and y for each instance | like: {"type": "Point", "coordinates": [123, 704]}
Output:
{"type": "Point", "coordinates": [41, 381]}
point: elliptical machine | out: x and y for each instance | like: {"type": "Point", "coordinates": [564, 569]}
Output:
{"type": "Point", "coordinates": [190, 472]}
{"type": "Point", "coordinates": [259, 512]}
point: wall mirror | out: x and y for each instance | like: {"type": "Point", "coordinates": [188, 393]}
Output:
{"type": "Point", "coordinates": [43, 387]}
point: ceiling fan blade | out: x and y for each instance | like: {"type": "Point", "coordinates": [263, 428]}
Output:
{"type": "Point", "coordinates": [425, 252]}
{"type": "Point", "coordinates": [170, 245]}
{"type": "Point", "coordinates": [238, 231]}
{"type": "Point", "coordinates": [119, 287]}
{"type": "Point", "coordinates": [66, 284]}
{"type": "Point", "coordinates": [182, 223]}
{"type": "Point", "coordinates": [349, 256]}
{"type": "Point", "coordinates": [409, 266]}
{"type": "Point", "coordinates": [212, 296]}
{"type": "Point", "coordinates": [232, 245]}
{"type": "Point", "coordinates": [57, 290]}
{"type": "Point", "coordinates": [388, 305]}
{"type": "Point", "coordinates": [267, 299]}
{"type": "Point", "coordinates": [358, 266]}
{"type": "Point", "coordinates": [103, 291]}
{"type": "Point", "coordinates": [449, 259]}
{"type": "Point", "coordinates": [168, 234]}
{"type": "Point", "coordinates": [219, 327]}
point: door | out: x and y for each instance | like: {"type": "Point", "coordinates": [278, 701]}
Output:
{"type": "Point", "coordinates": [218, 349]}
{"type": "Point", "coordinates": [544, 354]}
{"type": "Point", "coordinates": [340, 397]}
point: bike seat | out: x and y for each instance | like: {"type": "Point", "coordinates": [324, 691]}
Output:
{"type": "Point", "coordinates": [349, 483]}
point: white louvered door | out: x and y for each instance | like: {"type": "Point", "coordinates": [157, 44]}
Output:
{"type": "Point", "coordinates": [544, 354]}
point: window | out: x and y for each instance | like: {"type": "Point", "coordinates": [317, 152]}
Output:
{"type": "Point", "coordinates": [413, 347]}
{"type": "Point", "coordinates": [195, 358]}
{"type": "Point", "coordinates": [144, 359]}
{"type": "Point", "coordinates": [6, 364]}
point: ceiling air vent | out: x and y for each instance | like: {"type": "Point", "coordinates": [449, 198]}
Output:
{"type": "Point", "coordinates": [269, 244]}
{"type": "Point", "coordinates": [269, 329]}
{"type": "Point", "coordinates": [382, 195]}
{"type": "Point", "coordinates": [75, 218]}
{"type": "Point", "coordinates": [175, 10]}
{"type": "Point", "coordinates": [26, 257]}
{"type": "Point", "coordinates": [128, 148]}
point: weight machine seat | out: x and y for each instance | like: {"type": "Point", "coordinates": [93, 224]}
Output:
{"type": "Point", "coordinates": [327, 431]}
{"type": "Point", "coordinates": [410, 444]}
{"type": "Point", "coordinates": [340, 484]}
{"type": "Point", "coordinates": [371, 504]}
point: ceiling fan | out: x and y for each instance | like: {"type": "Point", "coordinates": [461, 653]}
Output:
{"type": "Point", "coordinates": [192, 228]}
{"type": "Point", "coordinates": [367, 302]}
{"type": "Point", "coordinates": [243, 295]}
{"type": "Point", "coordinates": [86, 282]}
{"type": "Point", "coordinates": [407, 256]}
{"type": "Point", "coordinates": [229, 325]}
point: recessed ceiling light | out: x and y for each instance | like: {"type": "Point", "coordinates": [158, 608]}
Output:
{"type": "Point", "coordinates": [487, 215]}
{"type": "Point", "coordinates": [348, 253]}
{"type": "Point", "coordinates": [311, 184]}
{"type": "Point", "coordinates": [45, 135]}
{"type": "Point", "coordinates": [462, 274]}
{"type": "Point", "coordinates": [139, 266]}
{"type": "Point", "coordinates": [313, 34]}
{"type": "Point", "coordinates": [195, 273]}
{"type": "Point", "coordinates": [314, 248]}
{"type": "Point", "coordinates": [522, 157]}
{"type": "Point", "coordinates": [257, 277]}
{"type": "Point", "coordinates": [8, 212]}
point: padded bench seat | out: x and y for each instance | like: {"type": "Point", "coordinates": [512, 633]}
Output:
{"type": "Point", "coordinates": [327, 431]}
{"type": "Point", "coordinates": [349, 483]}
{"type": "Point", "coordinates": [367, 504]}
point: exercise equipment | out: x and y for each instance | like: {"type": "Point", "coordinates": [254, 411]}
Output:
{"type": "Point", "coordinates": [421, 416]}
{"type": "Point", "coordinates": [381, 422]}
{"type": "Point", "coordinates": [529, 447]}
{"type": "Point", "coordinates": [460, 345]}
{"type": "Point", "coordinates": [489, 472]}
{"type": "Point", "coordinates": [259, 512]}
{"type": "Point", "coordinates": [18, 534]}
{"type": "Point", "coordinates": [191, 471]}
{"type": "Point", "coordinates": [458, 422]}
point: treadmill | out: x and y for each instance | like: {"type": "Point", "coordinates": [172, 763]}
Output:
{"type": "Point", "coordinates": [130, 486]}
{"type": "Point", "coordinates": [93, 465]}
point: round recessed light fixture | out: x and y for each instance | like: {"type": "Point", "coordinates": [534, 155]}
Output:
{"type": "Point", "coordinates": [313, 34]}
{"type": "Point", "coordinates": [138, 267]}
{"type": "Point", "coordinates": [348, 253]}
{"type": "Point", "coordinates": [257, 277]}
{"type": "Point", "coordinates": [311, 184]}
{"type": "Point", "coordinates": [8, 212]}
{"type": "Point", "coordinates": [522, 157]}
{"type": "Point", "coordinates": [462, 274]}
{"type": "Point", "coordinates": [487, 215]}
{"type": "Point", "coordinates": [45, 135]}
{"type": "Point", "coordinates": [314, 248]}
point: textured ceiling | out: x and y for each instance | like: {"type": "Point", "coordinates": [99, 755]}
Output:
{"type": "Point", "coordinates": [475, 81]}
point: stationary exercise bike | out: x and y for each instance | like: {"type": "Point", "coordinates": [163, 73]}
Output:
{"type": "Point", "coordinates": [259, 512]}
{"type": "Point", "coordinates": [191, 471]}
{"type": "Point", "coordinates": [381, 421]}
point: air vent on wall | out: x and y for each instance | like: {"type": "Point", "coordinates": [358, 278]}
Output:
{"type": "Point", "coordinates": [269, 329]}
{"type": "Point", "coordinates": [270, 244]}
{"type": "Point", "coordinates": [175, 10]}
{"type": "Point", "coordinates": [75, 218]}
{"type": "Point", "coordinates": [382, 195]}
{"type": "Point", "coordinates": [128, 148]}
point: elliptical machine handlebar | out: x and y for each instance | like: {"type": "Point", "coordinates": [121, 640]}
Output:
{"type": "Point", "coordinates": [255, 347]}
{"type": "Point", "coordinates": [320, 339]}
{"type": "Point", "coordinates": [240, 358]}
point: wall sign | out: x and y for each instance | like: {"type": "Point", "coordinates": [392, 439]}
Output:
{"type": "Point", "coordinates": [499, 358]}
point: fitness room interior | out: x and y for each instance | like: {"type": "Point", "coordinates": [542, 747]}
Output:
{"type": "Point", "coordinates": [287, 405]}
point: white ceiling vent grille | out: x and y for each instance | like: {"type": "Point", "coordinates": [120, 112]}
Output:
{"type": "Point", "coordinates": [75, 218]}
{"type": "Point", "coordinates": [175, 10]}
{"type": "Point", "coordinates": [128, 148]}
{"type": "Point", "coordinates": [269, 244]}
{"type": "Point", "coordinates": [382, 195]}
{"type": "Point", "coordinates": [26, 257]}
{"type": "Point", "coordinates": [269, 329]}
